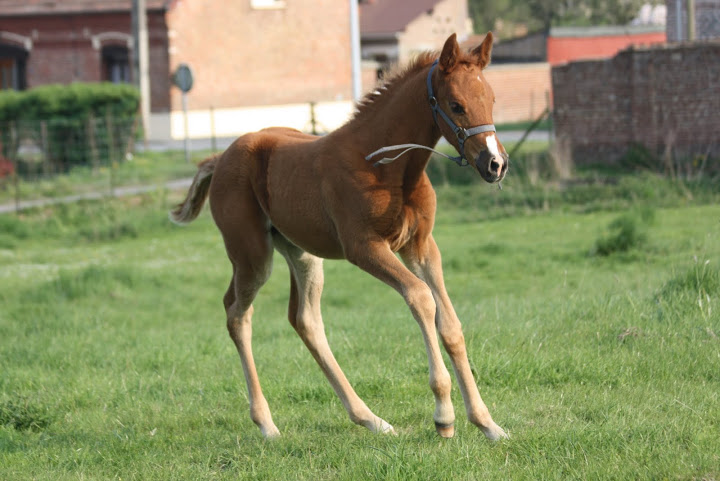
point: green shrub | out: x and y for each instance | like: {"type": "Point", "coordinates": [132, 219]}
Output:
{"type": "Point", "coordinates": [23, 414]}
{"type": "Point", "coordinates": [71, 122]}
{"type": "Point", "coordinates": [701, 280]}
{"type": "Point", "coordinates": [627, 232]}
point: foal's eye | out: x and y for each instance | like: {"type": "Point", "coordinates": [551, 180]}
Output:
{"type": "Point", "coordinates": [457, 108]}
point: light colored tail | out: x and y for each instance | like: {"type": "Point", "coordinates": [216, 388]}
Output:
{"type": "Point", "coordinates": [190, 208]}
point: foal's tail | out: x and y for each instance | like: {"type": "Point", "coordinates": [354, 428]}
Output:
{"type": "Point", "coordinates": [186, 211]}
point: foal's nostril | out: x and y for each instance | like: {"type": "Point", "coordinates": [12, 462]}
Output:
{"type": "Point", "coordinates": [494, 166]}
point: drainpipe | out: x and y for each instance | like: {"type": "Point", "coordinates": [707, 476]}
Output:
{"type": "Point", "coordinates": [141, 62]}
{"type": "Point", "coordinates": [355, 51]}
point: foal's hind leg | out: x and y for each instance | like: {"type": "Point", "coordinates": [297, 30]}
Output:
{"type": "Point", "coordinates": [248, 243]}
{"type": "Point", "coordinates": [238, 305]}
{"type": "Point", "coordinates": [304, 313]}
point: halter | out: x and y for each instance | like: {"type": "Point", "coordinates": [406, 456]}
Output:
{"type": "Point", "coordinates": [461, 133]}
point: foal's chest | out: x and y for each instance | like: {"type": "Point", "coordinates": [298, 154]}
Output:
{"type": "Point", "coordinates": [398, 216]}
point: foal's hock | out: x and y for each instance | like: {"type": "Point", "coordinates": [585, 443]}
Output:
{"type": "Point", "coordinates": [319, 197]}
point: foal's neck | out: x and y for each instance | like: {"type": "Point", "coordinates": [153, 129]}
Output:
{"type": "Point", "coordinates": [399, 114]}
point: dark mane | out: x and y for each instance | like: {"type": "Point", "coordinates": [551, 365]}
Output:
{"type": "Point", "coordinates": [372, 99]}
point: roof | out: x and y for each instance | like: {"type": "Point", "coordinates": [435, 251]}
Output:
{"type": "Point", "coordinates": [605, 30]}
{"type": "Point", "coordinates": [391, 16]}
{"type": "Point", "coordinates": [54, 7]}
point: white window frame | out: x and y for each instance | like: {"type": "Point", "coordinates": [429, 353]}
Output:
{"type": "Point", "coordinates": [267, 4]}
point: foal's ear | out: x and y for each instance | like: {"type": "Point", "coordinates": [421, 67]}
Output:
{"type": "Point", "coordinates": [482, 52]}
{"type": "Point", "coordinates": [450, 54]}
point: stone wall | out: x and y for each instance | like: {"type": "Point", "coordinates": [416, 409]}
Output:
{"type": "Point", "coordinates": [666, 99]}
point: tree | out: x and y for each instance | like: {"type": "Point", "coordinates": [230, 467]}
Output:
{"type": "Point", "coordinates": [543, 14]}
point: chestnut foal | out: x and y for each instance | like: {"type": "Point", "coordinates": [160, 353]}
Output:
{"type": "Point", "coordinates": [319, 197]}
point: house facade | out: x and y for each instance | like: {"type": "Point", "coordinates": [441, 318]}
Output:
{"type": "Point", "coordinates": [394, 31]}
{"type": "Point", "coordinates": [255, 62]}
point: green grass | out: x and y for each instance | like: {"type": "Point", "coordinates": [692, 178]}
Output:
{"type": "Point", "coordinates": [115, 362]}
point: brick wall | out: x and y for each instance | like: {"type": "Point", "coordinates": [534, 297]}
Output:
{"type": "Point", "coordinates": [243, 56]}
{"type": "Point", "coordinates": [521, 90]}
{"type": "Point", "coordinates": [63, 50]}
{"type": "Point", "coordinates": [664, 98]}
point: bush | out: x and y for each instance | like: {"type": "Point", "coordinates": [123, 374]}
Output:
{"type": "Point", "coordinates": [629, 231]}
{"type": "Point", "coordinates": [70, 122]}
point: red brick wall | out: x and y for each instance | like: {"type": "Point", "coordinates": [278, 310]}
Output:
{"type": "Point", "coordinates": [567, 49]}
{"type": "Point", "coordinates": [62, 50]}
{"type": "Point", "coordinates": [242, 56]}
{"type": "Point", "coordinates": [521, 90]}
{"type": "Point", "coordinates": [662, 98]}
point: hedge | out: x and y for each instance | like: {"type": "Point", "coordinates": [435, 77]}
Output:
{"type": "Point", "coordinates": [70, 122]}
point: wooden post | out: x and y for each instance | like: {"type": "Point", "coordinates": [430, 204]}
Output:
{"type": "Point", "coordinates": [12, 158]}
{"type": "Point", "coordinates": [111, 149]}
{"type": "Point", "coordinates": [47, 160]}
{"type": "Point", "coordinates": [313, 120]}
{"type": "Point", "coordinates": [92, 145]}
{"type": "Point", "coordinates": [691, 20]}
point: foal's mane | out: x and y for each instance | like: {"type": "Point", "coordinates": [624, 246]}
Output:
{"type": "Point", "coordinates": [373, 99]}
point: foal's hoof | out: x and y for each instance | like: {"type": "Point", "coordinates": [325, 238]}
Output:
{"type": "Point", "coordinates": [386, 428]}
{"type": "Point", "coordinates": [445, 430]}
{"type": "Point", "coordinates": [494, 432]}
{"type": "Point", "coordinates": [270, 433]}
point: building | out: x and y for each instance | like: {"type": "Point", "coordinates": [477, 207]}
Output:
{"type": "Point", "coordinates": [566, 44]}
{"type": "Point", "coordinates": [394, 31]}
{"type": "Point", "coordinates": [662, 100]}
{"type": "Point", "coordinates": [247, 57]}
{"type": "Point", "coordinates": [707, 20]}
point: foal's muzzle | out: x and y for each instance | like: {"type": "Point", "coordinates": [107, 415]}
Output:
{"type": "Point", "coordinates": [492, 168]}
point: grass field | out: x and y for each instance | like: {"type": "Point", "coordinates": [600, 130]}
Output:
{"type": "Point", "coordinates": [591, 314]}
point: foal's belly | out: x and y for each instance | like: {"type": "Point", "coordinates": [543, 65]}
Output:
{"type": "Point", "coordinates": [299, 215]}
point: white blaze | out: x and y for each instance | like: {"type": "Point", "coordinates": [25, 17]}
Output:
{"type": "Point", "coordinates": [492, 145]}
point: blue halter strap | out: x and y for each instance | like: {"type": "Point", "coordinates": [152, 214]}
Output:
{"type": "Point", "coordinates": [461, 133]}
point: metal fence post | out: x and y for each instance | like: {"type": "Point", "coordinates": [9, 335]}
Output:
{"type": "Point", "coordinates": [213, 136]}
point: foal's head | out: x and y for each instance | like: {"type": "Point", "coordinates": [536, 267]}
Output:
{"type": "Point", "coordinates": [463, 93]}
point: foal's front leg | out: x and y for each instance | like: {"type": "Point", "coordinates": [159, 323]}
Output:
{"type": "Point", "coordinates": [423, 258]}
{"type": "Point", "coordinates": [375, 257]}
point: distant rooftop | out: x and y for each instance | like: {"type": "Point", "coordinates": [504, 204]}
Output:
{"type": "Point", "coordinates": [605, 30]}
{"type": "Point", "coordinates": [378, 17]}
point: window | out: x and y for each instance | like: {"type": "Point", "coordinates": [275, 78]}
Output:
{"type": "Point", "coordinates": [116, 64]}
{"type": "Point", "coordinates": [267, 4]}
{"type": "Point", "coordinates": [12, 68]}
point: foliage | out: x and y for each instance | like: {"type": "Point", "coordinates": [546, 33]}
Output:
{"type": "Point", "coordinates": [543, 14]}
{"type": "Point", "coordinates": [74, 101]}
{"type": "Point", "coordinates": [626, 232]}
{"type": "Point", "coordinates": [69, 122]}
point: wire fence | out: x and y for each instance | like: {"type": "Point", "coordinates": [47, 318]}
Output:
{"type": "Point", "coordinates": [62, 156]}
